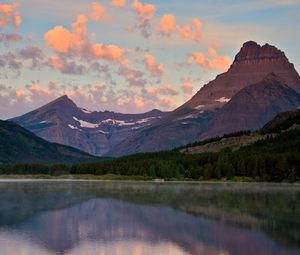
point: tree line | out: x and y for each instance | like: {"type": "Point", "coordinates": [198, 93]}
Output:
{"type": "Point", "coordinates": [276, 158]}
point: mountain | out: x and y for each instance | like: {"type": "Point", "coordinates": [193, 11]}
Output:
{"type": "Point", "coordinates": [253, 106]}
{"type": "Point", "coordinates": [189, 122]}
{"type": "Point", "coordinates": [19, 145]}
{"type": "Point", "coordinates": [252, 64]}
{"type": "Point", "coordinates": [283, 121]}
{"type": "Point", "coordinates": [61, 121]}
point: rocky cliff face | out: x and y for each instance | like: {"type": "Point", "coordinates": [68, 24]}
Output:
{"type": "Point", "coordinates": [188, 123]}
{"type": "Point", "coordinates": [252, 64]}
{"type": "Point", "coordinates": [252, 107]}
{"type": "Point", "coordinates": [61, 121]}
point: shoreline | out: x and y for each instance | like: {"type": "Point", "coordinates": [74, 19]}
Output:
{"type": "Point", "coordinates": [127, 179]}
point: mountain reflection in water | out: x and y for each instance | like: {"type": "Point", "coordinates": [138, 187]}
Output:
{"type": "Point", "coordinates": [106, 225]}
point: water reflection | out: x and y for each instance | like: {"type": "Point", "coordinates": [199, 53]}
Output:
{"type": "Point", "coordinates": [88, 224]}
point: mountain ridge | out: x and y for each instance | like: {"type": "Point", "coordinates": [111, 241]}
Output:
{"type": "Point", "coordinates": [62, 121]}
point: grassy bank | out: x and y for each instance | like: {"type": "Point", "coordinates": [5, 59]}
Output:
{"type": "Point", "coordinates": [113, 177]}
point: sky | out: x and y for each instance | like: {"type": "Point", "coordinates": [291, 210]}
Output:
{"type": "Point", "coordinates": [130, 56]}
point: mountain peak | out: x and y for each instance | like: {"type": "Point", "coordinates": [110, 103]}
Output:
{"type": "Point", "coordinates": [63, 101]}
{"type": "Point", "coordinates": [252, 52]}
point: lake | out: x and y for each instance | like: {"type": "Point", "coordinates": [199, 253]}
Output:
{"type": "Point", "coordinates": [91, 217]}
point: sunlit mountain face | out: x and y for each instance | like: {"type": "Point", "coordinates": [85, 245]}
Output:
{"type": "Point", "coordinates": [92, 218]}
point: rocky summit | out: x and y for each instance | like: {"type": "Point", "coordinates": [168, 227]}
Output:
{"type": "Point", "coordinates": [252, 64]}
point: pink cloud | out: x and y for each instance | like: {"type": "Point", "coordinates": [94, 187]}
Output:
{"type": "Point", "coordinates": [145, 13]}
{"type": "Point", "coordinates": [192, 31]}
{"type": "Point", "coordinates": [8, 15]}
{"type": "Point", "coordinates": [139, 102]}
{"type": "Point", "coordinates": [167, 24]}
{"type": "Point", "coordinates": [76, 44]}
{"type": "Point", "coordinates": [152, 90]}
{"type": "Point", "coordinates": [155, 69]}
{"type": "Point", "coordinates": [108, 52]}
{"type": "Point", "coordinates": [187, 89]}
{"type": "Point", "coordinates": [213, 61]}
{"type": "Point", "coordinates": [98, 12]}
{"type": "Point", "coordinates": [37, 89]}
{"type": "Point", "coordinates": [118, 3]}
{"type": "Point", "coordinates": [56, 63]}
{"type": "Point", "coordinates": [60, 39]}
{"type": "Point", "coordinates": [219, 62]}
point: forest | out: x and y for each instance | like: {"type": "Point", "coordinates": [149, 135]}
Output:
{"type": "Point", "coordinates": [274, 159]}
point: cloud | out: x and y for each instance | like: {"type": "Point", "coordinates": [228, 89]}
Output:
{"type": "Point", "coordinates": [167, 24]}
{"type": "Point", "coordinates": [213, 61]}
{"type": "Point", "coordinates": [33, 53]}
{"type": "Point", "coordinates": [157, 70]}
{"type": "Point", "coordinates": [77, 43]}
{"type": "Point", "coordinates": [108, 52]}
{"type": "Point", "coordinates": [8, 15]}
{"type": "Point", "coordinates": [134, 78]}
{"type": "Point", "coordinates": [10, 61]}
{"type": "Point", "coordinates": [139, 102]}
{"type": "Point", "coordinates": [98, 12]}
{"type": "Point", "coordinates": [60, 39]}
{"type": "Point", "coordinates": [145, 13]}
{"type": "Point", "coordinates": [187, 89]}
{"type": "Point", "coordinates": [10, 38]}
{"type": "Point", "coordinates": [37, 89]}
{"type": "Point", "coordinates": [221, 63]}
{"type": "Point", "coordinates": [118, 3]}
{"type": "Point", "coordinates": [163, 89]}
{"type": "Point", "coordinates": [59, 63]}
{"type": "Point", "coordinates": [167, 90]}
{"type": "Point", "coordinates": [192, 31]}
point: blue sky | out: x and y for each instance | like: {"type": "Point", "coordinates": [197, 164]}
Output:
{"type": "Point", "coordinates": [159, 64]}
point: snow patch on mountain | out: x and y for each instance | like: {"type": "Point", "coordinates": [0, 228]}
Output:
{"type": "Point", "coordinates": [103, 132]}
{"type": "Point", "coordinates": [199, 107]}
{"type": "Point", "coordinates": [223, 100]}
{"type": "Point", "coordinates": [85, 111]}
{"type": "Point", "coordinates": [73, 127]}
{"type": "Point", "coordinates": [86, 124]}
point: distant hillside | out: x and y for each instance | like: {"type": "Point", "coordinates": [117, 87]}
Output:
{"type": "Point", "coordinates": [19, 145]}
{"type": "Point", "coordinates": [283, 121]}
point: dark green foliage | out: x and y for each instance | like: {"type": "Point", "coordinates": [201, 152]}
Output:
{"type": "Point", "coordinates": [274, 159]}
{"type": "Point", "coordinates": [282, 121]}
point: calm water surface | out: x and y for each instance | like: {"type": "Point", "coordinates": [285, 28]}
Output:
{"type": "Point", "coordinates": [67, 217]}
